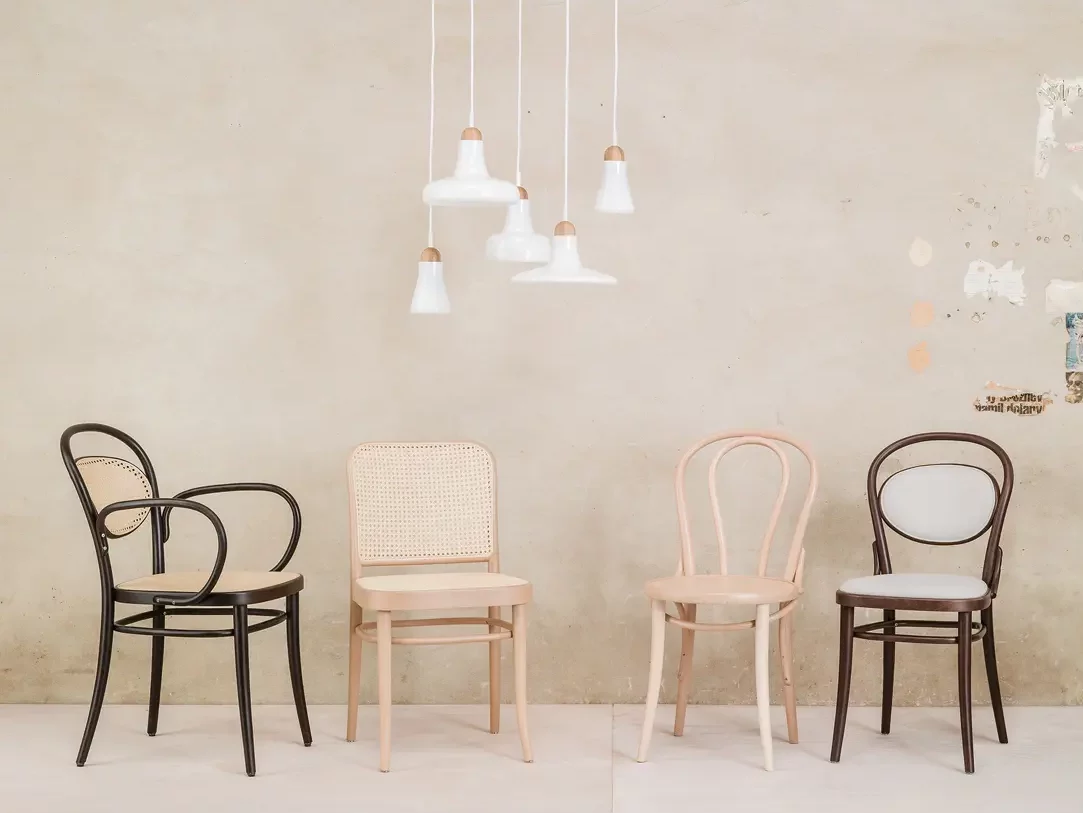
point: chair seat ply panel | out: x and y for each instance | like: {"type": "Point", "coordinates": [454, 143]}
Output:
{"type": "Point", "coordinates": [944, 503]}
{"type": "Point", "coordinates": [421, 501]}
{"type": "Point", "coordinates": [110, 480]}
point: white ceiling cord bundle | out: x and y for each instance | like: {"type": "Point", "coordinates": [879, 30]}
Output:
{"type": "Point", "coordinates": [518, 242]}
{"type": "Point", "coordinates": [430, 293]}
{"type": "Point", "coordinates": [615, 195]}
{"type": "Point", "coordinates": [471, 184]}
{"type": "Point", "coordinates": [565, 265]}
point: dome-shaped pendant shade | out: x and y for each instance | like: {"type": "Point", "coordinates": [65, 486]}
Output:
{"type": "Point", "coordinates": [518, 242]}
{"type": "Point", "coordinates": [430, 293]}
{"type": "Point", "coordinates": [471, 184]}
{"type": "Point", "coordinates": [615, 195]}
{"type": "Point", "coordinates": [565, 265]}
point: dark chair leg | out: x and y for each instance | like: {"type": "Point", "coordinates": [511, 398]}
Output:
{"type": "Point", "coordinates": [293, 646]}
{"type": "Point", "coordinates": [157, 655]}
{"type": "Point", "coordinates": [244, 686]}
{"type": "Point", "coordinates": [989, 645]}
{"type": "Point", "coordinates": [965, 714]}
{"type": "Point", "coordinates": [105, 656]}
{"type": "Point", "coordinates": [846, 661]}
{"type": "Point", "coordinates": [889, 673]}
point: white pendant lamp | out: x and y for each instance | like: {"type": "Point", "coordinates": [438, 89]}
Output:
{"type": "Point", "coordinates": [430, 293]}
{"type": "Point", "coordinates": [518, 242]}
{"type": "Point", "coordinates": [471, 184]}
{"type": "Point", "coordinates": [565, 265]}
{"type": "Point", "coordinates": [615, 195]}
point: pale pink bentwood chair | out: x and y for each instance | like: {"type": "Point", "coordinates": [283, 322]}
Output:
{"type": "Point", "coordinates": [688, 589]}
{"type": "Point", "coordinates": [429, 504]}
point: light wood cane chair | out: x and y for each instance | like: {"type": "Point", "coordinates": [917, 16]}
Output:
{"type": "Point", "coordinates": [687, 589]}
{"type": "Point", "coordinates": [429, 504]}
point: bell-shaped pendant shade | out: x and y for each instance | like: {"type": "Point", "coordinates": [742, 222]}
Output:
{"type": "Point", "coordinates": [430, 293]}
{"type": "Point", "coordinates": [471, 184]}
{"type": "Point", "coordinates": [518, 242]}
{"type": "Point", "coordinates": [565, 265]}
{"type": "Point", "coordinates": [615, 195]}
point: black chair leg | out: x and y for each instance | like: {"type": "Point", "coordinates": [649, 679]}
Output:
{"type": "Point", "coordinates": [966, 723]}
{"type": "Point", "coordinates": [293, 646]}
{"type": "Point", "coordinates": [105, 656]}
{"type": "Point", "coordinates": [157, 656]}
{"type": "Point", "coordinates": [989, 645]}
{"type": "Point", "coordinates": [244, 686]}
{"type": "Point", "coordinates": [889, 673]}
{"type": "Point", "coordinates": [846, 661]}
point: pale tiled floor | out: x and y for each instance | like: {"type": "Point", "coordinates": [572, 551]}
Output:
{"type": "Point", "coordinates": [444, 760]}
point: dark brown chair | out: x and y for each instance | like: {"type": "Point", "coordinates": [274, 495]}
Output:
{"type": "Point", "coordinates": [937, 504]}
{"type": "Point", "coordinates": [118, 496]}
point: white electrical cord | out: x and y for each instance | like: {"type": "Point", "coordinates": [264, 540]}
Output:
{"type": "Point", "coordinates": [432, 101]}
{"type": "Point", "coordinates": [567, 86]}
{"type": "Point", "coordinates": [519, 105]}
{"type": "Point", "coordinates": [471, 63]}
{"type": "Point", "coordinates": [616, 42]}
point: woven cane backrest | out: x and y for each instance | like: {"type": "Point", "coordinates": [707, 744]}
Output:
{"type": "Point", "coordinates": [110, 480]}
{"type": "Point", "coordinates": [415, 502]}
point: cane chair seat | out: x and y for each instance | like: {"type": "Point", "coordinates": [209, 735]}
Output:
{"type": "Point", "coordinates": [441, 591]}
{"type": "Point", "coordinates": [233, 587]}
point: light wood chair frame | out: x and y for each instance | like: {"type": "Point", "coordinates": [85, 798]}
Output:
{"type": "Point", "coordinates": [380, 631]}
{"type": "Point", "coordinates": [685, 619]}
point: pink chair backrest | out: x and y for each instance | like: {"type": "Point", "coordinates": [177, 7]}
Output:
{"type": "Point", "coordinates": [734, 440]}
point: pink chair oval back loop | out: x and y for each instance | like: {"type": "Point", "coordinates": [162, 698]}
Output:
{"type": "Point", "coordinates": [775, 442]}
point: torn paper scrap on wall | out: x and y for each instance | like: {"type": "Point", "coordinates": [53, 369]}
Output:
{"type": "Point", "coordinates": [986, 279]}
{"type": "Point", "coordinates": [1053, 97]}
{"type": "Point", "coordinates": [1063, 296]}
{"type": "Point", "coordinates": [1013, 402]}
{"type": "Point", "coordinates": [1074, 384]}
{"type": "Point", "coordinates": [921, 253]}
{"type": "Point", "coordinates": [1073, 356]}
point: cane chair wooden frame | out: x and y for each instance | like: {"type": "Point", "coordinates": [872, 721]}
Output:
{"type": "Point", "coordinates": [966, 631]}
{"type": "Point", "coordinates": [118, 496]}
{"type": "Point", "coordinates": [687, 589]}
{"type": "Point", "coordinates": [429, 504]}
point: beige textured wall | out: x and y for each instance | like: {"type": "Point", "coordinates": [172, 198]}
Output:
{"type": "Point", "coordinates": [209, 223]}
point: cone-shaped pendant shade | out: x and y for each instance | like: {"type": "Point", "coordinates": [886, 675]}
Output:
{"type": "Point", "coordinates": [615, 195]}
{"type": "Point", "coordinates": [518, 243]}
{"type": "Point", "coordinates": [471, 184]}
{"type": "Point", "coordinates": [565, 266]}
{"type": "Point", "coordinates": [430, 293]}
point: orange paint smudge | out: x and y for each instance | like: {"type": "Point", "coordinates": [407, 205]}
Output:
{"type": "Point", "coordinates": [921, 315]}
{"type": "Point", "coordinates": [918, 357]}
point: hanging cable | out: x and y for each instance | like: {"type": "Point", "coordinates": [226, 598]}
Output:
{"type": "Point", "coordinates": [471, 63]}
{"type": "Point", "coordinates": [519, 105]}
{"type": "Point", "coordinates": [616, 59]}
{"type": "Point", "coordinates": [432, 100]}
{"type": "Point", "coordinates": [567, 86]}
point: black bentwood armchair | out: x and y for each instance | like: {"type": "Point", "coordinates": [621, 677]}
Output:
{"type": "Point", "coordinates": [118, 496]}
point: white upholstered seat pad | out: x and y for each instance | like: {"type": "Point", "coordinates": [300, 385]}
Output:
{"type": "Point", "coordinates": [917, 585]}
{"type": "Point", "coordinates": [231, 581]}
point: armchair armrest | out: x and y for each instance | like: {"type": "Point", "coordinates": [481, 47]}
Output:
{"type": "Point", "coordinates": [225, 488]}
{"type": "Point", "coordinates": [169, 504]}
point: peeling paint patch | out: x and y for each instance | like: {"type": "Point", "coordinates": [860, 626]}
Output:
{"type": "Point", "coordinates": [1012, 401]}
{"type": "Point", "coordinates": [918, 357]}
{"type": "Point", "coordinates": [921, 253]}
{"type": "Point", "coordinates": [922, 314]}
{"type": "Point", "coordinates": [1053, 97]}
{"type": "Point", "coordinates": [1063, 296]}
{"type": "Point", "coordinates": [985, 279]}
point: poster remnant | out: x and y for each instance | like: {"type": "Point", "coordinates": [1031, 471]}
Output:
{"type": "Point", "coordinates": [985, 279]}
{"type": "Point", "coordinates": [1073, 357]}
{"type": "Point", "coordinates": [1074, 384]}
{"type": "Point", "coordinates": [1012, 401]}
{"type": "Point", "coordinates": [1063, 296]}
{"type": "Point", "coordinates": [1053, 98]}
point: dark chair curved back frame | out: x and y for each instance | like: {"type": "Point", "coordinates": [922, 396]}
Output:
{"type": "Point", "coordinates": [202, 602]}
